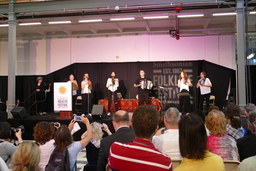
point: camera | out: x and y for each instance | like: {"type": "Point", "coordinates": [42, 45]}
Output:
{"type": "Point", "coordinates": [14, 130]}
{"type": "Point", "coordinates": [78, 118]}
{"type": "Point", "coordinates": [55, 124]}
{"type": "Point", "coordinates": [102, 126]}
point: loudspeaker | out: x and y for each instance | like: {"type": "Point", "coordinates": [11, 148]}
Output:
{"type": "Point", "coordinates": [98, 112]}
{"type": "Point", "coordinates": [19, 112]}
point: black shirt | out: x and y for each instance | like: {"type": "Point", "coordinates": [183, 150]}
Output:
{"type": "Point", "coordinates": [246, 146]}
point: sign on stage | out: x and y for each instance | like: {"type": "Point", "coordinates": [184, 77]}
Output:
{"type": "Point", "coordinates": [63, 96]}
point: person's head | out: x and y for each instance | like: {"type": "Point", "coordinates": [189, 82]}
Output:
{"type": "Point", "coordinates": [142, 73]}
{"type": "Point", "coordinates": [250, 107]}
{"type": "Point", "coordinates": [199, 113]}
{"type": "Point", "coordinates": [243, 112]}
{"type": "Point", "coordinates": [39, 79]}
{"type": "Point", "coordinates": [5, 130]}
{"type": "Point", "coordinates": [120, 118]}
{"type": "Point", "coordinates": [192, 137]}
{"type": "Point", "coordinates": [71, 77]}
{"type": "Point", "coordinates": [183, 74]}
{"type": "Point", "coordinates": [233, 116]}
{"type": "Point", "coordinates": [26, 157]}
{"type": "Point", "coordinates": [252, 121]}
{"type": "Point", "coordinates": [63, 137]}
{"type": "Point", "coordinates": [203, 74]}
{"type": "Point", "coordinates": [171, 117]}
{"type": "Point", "coordinates": [213, 108]}
{"type": "Point", "coordinates": [43, 132]}
{"type": "Point", "coordinates": [145, 121]}
{"type": "Point", "coordinates": [216, 122]}
{"type": "Point", "coordinates": [96, 130]}
{"type": "Point", "coordinates": [86, 76]}
{"type": "Point", "coordinates": [113, 74]}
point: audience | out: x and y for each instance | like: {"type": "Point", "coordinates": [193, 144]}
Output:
{"type": "Point", "coordinates": [7, 148]}
{"type": "Point", "coordinates": [43, 136]}
{"type": "Point", "coordinates": [213, 108]}
{"type": "Point", "coordinates": [140, 154]}
{"type": "Point", "coordinates": [193, 140]}
{"type": "Point", "coordinates": [202, 116]}
{"type": "Point", "coordinates": [3, 166]}
{"type": "Point", "coordinates": [166, 139]}
{"type": "Point", "coordinates": [246, 145]}
{"type": "Point", "coordinates": [244, 115]}
{"type": "Point", "coordinates": [26, 157]}
{"type": "Point", "coordinates": [247, 164]}
{"type": "Point", "coordinates": [63, 139]}
{"type": "Point", "coordinates": [123, 134]}
{"type": "Point", "coordinates": [219, 142]}
{"type": "Point", "coordinates": [93, 147]}
{"type": "Point", "coordinates": [234, 126]}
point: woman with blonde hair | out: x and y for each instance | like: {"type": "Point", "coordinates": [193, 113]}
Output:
{"type": "Point", "coordinates": [219, 142]}
{"type": "Point", "coordinates": [26, 157]}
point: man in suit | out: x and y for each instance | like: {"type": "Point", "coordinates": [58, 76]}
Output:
{"type": "Point", "coordinates": [123, 134]}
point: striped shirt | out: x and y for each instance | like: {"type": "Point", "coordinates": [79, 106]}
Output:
{"type": "Point", "coordinates": [138, 155]}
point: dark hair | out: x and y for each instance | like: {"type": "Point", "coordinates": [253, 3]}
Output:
{"type": "Point", "coordinates": [121, 116]}
{"type": "Point", "coordinates": [43, 132]}
{"type": "Point", "coordinates": [192, 137]}
{"type": "Point", "coordinates": [113, 72]}
{"type": "Point", "coordinates": [5, 130]}
{"type": "Point", "coordinates": [233, 113]}
{"type": "Point", "coordinates": [145, 121]}
{"type": "Point", "coordinates": [63, 137]}
{"type": "Point", "coordinates": [199, 113]}
{"type": "Point", "coordinates": [205, 75]}
{"type": "Point", "coordinates": [39, 78]}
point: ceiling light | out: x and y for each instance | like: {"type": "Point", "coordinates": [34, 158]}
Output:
{"type": "Point", "coordinates": [88, 21]}
{"type": "Point", "coordinates": [27, 24]}
{"type": "Point", "coordinates": [4, 25]}
{"type": "Point", "coordinates": [120, 19]}
{"type": "Point", "coordinates": [222, 14]}
{"type": "Point", "coordinates": [59, 22]}
{"type": "Point", "coordinates": [251, 56]}
{"type": "Point", "coordinates": [253, 12]}
{"type": "Point", "coordinates": [155, 17]}
{"type": "Point", "coordinates": [193, 15]}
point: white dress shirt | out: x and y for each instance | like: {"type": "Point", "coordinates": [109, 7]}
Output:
{"type": "Point", "coordinates": [112, 88]}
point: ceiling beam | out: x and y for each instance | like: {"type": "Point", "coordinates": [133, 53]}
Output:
{"type": "Point", "coordinates": [92, 30]}
{"type": "Point", "coordinates": [208, 20]}
{"type": "Point", "coordinates": [66, 31]}
{"type": "Point", "coordinates": [119, 28]}
{"type": "Point", "coordinates": [43, 33]}
{"type": "Point", "coordinates": [147, 26]}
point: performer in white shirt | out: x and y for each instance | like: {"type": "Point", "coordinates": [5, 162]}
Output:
{"type": "Point", "coordinates": [205, 90]}
{"type": "Point", "coordinates": [112, 85]}
{"type": "Point", "coordinates": [86, 86]}
{"type": "Point", "coordinates": [184, 97]}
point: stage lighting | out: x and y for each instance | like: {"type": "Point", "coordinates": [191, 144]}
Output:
{"type": "Point", "coordinates": [251, 56]}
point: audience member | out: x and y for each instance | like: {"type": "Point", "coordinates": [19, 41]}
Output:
{"type": "Point", "coordinates": [244, 113]}
{"type": "Point", "coordinates": [219, 142]}
{"type": "Point", "coordinates": [140, 154]}
{"type": "Point", "coordinates": [193, 140]}
{"type": "Point", "coordinates": [93, 147]}
{"type": "Point", "coordinates": [247, 164]}
{"type": "Point", "coordinates": [202, 116]}
{"type": "Point", "coordinates": [213, 108]}
{"type": "Point", "coordinates": [234, 126]}
{"type": "Point", "coordinates": [3, 166]}
{"type": "Point", "coordinates": [246, 145]}
{"type": "Point", "coordinates": [26, 157]}
{"type": "Point", "coordinates": [123, 134]}
{"type": "Point", "coordinates": [7, 148]}
{"type": "Point", "coordinates": [43, 136]}
{"type": "Point", "coordinates": [63, 139]}
{"type": "Point", "coordinates": [166, 139]}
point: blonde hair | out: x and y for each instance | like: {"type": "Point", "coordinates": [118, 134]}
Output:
{"type": "Point", "coordinates": [26, 157]}
{"type": "Point", "coordinates": [96, 130]}
{"type": "Point", "coordinates": [216, 122]}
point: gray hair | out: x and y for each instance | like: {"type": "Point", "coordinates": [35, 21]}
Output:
{"type": "Point", "coordinates": [172, 116]}
{"type": "Point", "coordinates": [250, 107]}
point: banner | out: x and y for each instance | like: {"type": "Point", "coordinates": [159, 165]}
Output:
{"type": "Point", "coordinates": [63, 96]}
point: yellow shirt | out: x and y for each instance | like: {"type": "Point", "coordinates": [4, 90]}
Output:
{"type": "Point", "coordinates": [211, 162]}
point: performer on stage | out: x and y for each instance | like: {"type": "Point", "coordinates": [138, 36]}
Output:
{"type": "Point", "coordinates": [74, 90]}
{"type": "Point", "coordinates": [86, 86]}
{"type": "Point", "coordinates": [184, 98]}
{"type": "Point", "coordinates": [112, 85]}
{"type": "Point", "coordinates": [40, 95]}
{"type": "Point", "coordinates": [144, 84]}
{"type": "Point", "coordinates": [205, 90]}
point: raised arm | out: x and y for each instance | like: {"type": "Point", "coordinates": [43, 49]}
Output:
{"type": "Point", "coordinates": [88, 137]}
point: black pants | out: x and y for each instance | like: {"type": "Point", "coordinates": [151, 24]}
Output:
{"type": "Point", "coordinates": [74, 97]}
{"type": "Point", "coordinates": [184, 99]}
{"type": "Point", "coordinates": [40, 99]}
{"type": "Point", "coordinates": [110, 101]}
{"type": "Point", "coordinates": [207, 100]}
{"type": "Point", "coordinates": [86, 103]}
{"type": "Point", "coordinates": [140, 97]}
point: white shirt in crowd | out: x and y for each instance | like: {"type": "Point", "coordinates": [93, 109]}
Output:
{"type": "Point", "coordinates": [204, 89]}
{"type": "Point", "coordinates": [168, 143]}
{"type": "Point", "coordinates": [114, 87]}
{"type": "Point", "coordinates": [46, 151]}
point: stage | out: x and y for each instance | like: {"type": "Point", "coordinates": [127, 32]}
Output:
{"type": "Point", "coordinates": [30, 121]}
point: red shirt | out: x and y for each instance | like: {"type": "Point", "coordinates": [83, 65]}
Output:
{"type": "Point", "coordinates": [139, 155]}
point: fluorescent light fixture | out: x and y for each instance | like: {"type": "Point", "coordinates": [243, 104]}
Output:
{"type": "Point", "coordinates": [252, 12]}
{"type": "Point", "coordinates": [155, 17]}
{"type": "Point", "coordinates": [89, 21]}
{"type": "Point", "coordinates": [223, 14]}
{"type": "Point", "coordinates": [121, 19]}
{"type": "Point", "coordinates": [193, 15]}
{"type": "Point", "coordinates": [59, 22]}
{"type": "Point", "coordinates": [28, 24]}
{"type": "Point", "coordinates": [251, 56]}
{"type": "Point", "coordinates": [4, 25]}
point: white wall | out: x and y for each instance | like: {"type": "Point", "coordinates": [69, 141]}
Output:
{"type": "Point", "coordinates": [44, 55]}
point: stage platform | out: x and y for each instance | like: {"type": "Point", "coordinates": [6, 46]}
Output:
{"type": "Point", "coordinates": [31, 121]}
